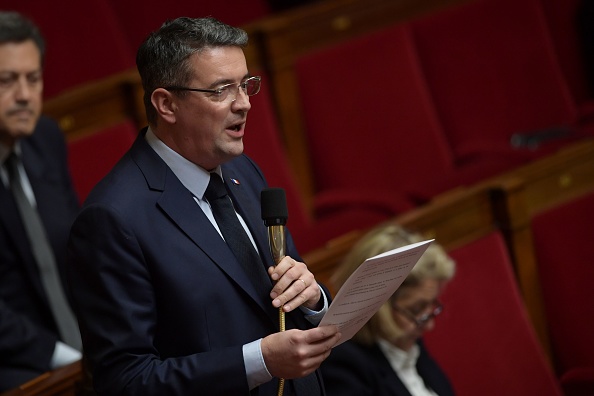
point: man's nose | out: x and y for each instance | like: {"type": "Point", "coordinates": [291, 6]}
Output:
{"type": "Point", "coordinates": [241, 102]}
{"type": "Point", "coordinates": [23, 89]}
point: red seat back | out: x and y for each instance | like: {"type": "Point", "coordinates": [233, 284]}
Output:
{"type": "Point", "coordinates": [492, 72]}
{"type": "Point", "coordinates": [84, 41]}
{"type": "Point", "coordinates": [91, 157]}
{"type": "Point", "coordinates": [138, 19]}
{"type": "Point", "coordinates": [563, 20]}
{"type": "Point", "coordinates": [369, 119]}
{"type": "Point", "coordinates": [565, 256]}
{"type": "Point", "coordinates": [484, 340]}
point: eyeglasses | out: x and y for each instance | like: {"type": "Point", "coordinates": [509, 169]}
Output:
{"type": "Point", "coordinates": [422, 319]}
{"type": "Point", "coordinates": [227, 92]}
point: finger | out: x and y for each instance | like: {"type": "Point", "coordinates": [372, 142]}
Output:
{"type": "Point", "coordinates": [281, 268]}
{"type": "Point", "coordinates": [296, 271]}
{"type": "Point", "coordinates": [289, 299]}
{"type": "Point", "coordinates": [319, 342]}
{"type": "Point", "coordinates": [320, 334]}
{"type": "Point", "coordinates": [295, 302]}
{"type": "Point", "coordinates": [297, 293]}
{"type": "Point", "coordinates": [300, 292]}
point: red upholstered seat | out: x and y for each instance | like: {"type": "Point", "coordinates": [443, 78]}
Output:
{"type": "Point", "coordinates": [563, 20]}
{"type": "Point", "coordinates": [370, 123]}
{"type": "Point", "coordinates": [84, 41]}
{"type": "Point", "coordinates": [139, 18]}
{"type": "Point", "coordinates": [91, 157]}
{"type": "Point", "coordinates": [578, 381]}
{"type": "Point", "coordinates": [374, 131]}
{"type": "Point", "coordinates": [483, 339]}
{"type": "Point", "coordinates": [565, 257]}
{"type": "Point", "coordinates": [262, 144]}
{"type": "Point", "coordinates": [493, 73]}
{"type": "Point", "coordinates": [570, 25]}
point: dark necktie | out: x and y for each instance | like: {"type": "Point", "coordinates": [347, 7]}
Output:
{"type": "Point", "coordinates": [243, 249]}
{"type": "Point", "coordinates": [44, 257]}
{"type": "Point", "coordinates": [236, 237]}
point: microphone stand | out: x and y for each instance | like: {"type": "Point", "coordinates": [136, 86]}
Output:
{"type": "Point", "coordinates": [278, 247]}
{"type": "Point", "coordinates": [274, 213]}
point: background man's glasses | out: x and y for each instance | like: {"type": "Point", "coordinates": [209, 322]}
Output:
{"type": "Point", "coordinates": [227, 92]}
{"type": "Point", "coordinates": [421, 320]}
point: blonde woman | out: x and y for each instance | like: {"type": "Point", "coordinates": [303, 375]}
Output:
{"type": "Point", "coordinates": [387, 356]}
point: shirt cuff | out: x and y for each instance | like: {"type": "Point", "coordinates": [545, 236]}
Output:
{"type": "Point", "coordinates": [63, 355]}
{"type": "Point", "coordinates": [315, 317]}
{"type": "Point", "coordinates": [255, 368]}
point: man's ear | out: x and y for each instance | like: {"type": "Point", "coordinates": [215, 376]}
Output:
{"type": "Point", "coordinates": [164, 102]}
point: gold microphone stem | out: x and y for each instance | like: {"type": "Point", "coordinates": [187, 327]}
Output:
{"type": "Point", "coordinates": [278, 246]}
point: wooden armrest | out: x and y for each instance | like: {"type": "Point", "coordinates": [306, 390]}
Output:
{"type": "Point", "coordinates": [59, 382]}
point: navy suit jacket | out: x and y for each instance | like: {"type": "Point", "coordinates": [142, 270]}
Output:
{"type": "Point", "coordinates": [164, 306]}
{"type": "Point", "coordinates": [27, 328]}
{"type": "Point", "coordinates": [358, 370]}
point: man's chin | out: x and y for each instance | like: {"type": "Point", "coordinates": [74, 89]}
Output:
{"type": "Point", "coordinates": [236, 149]}
{"type": "Point", "coordinates": [19, 132]}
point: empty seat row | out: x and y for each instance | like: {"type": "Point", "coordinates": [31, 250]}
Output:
{"type": "Point", "coordinates": [404, 113]}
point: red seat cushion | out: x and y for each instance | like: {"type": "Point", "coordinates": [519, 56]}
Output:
{"type": "Point", "coordinates": [565, 257]}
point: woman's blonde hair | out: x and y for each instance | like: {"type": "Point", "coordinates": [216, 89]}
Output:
{"type": "Point", "coordinates": [433, 264]}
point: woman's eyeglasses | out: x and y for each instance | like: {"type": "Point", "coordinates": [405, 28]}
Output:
{"type": "Point", "coordinates": [421, 319]}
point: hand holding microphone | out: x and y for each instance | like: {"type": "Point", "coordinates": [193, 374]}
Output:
{"type": "Point", "coordinates": [294, 285]}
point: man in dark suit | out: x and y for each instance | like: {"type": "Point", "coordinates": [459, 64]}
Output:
{"type": "Point", "coordinates": [164, 304]}
{"type": "Point", "coordinates": [30, 339]}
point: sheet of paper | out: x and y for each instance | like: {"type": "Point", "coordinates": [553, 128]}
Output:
{"type": "Point", "coordinates": [370, 286]}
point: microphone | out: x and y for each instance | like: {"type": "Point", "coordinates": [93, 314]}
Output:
{"type": "Point", "coordinates": [275, 214]}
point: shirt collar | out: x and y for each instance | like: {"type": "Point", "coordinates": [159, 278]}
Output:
{"type": "Point", "coordinates": [192, 176]}
{"type": "Point", "coordinates": [398, 358]}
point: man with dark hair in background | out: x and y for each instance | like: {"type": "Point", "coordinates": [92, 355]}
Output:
{"type": "Point", "coordinates": [38, 331]}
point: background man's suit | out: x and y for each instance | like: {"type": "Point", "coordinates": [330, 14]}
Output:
{"type": "Point", "coordinates": [28, 331]}
{"type": "Point", "coordinates": [358, 370]}
{"type": "Point", "coordinates": [161, 299]}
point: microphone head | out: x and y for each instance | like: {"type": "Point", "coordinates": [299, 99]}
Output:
{"type": "Point", "coordinates": [274, 206]}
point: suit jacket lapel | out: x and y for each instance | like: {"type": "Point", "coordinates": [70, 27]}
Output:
{"type": "Point", "coordinates": [179, 205]}
{"type": "Point", "coordinates": [387, 373]}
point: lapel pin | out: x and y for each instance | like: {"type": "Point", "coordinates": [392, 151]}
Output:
{"type": "Point", "coordinates": [235, 181]}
